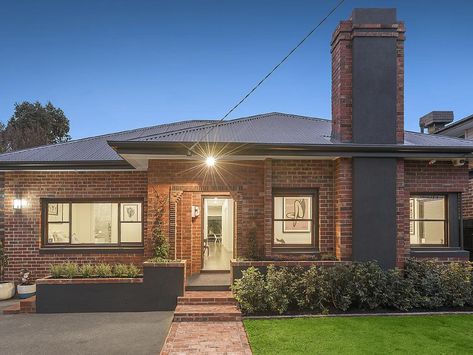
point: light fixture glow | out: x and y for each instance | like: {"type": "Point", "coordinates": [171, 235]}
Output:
{"type": "Point", "coordinates": [210, 161]}
{"type": "Point", "coordinates": [19, 203]}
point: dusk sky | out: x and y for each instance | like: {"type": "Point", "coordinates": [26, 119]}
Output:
{"type": "Point", "coordinates": [116, 65]}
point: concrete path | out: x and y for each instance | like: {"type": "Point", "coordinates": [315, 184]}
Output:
{"type": "Point", "coordinates": [83, 333]}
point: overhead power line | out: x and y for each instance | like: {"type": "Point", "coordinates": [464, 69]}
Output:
{"type": "Point", "coordinates": [211, 128]}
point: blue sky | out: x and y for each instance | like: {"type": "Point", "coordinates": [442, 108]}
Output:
{"type": "Point", "coordinates": [115, 65]}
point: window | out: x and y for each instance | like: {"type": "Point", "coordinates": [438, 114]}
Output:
{"type": "Point", "coordinates": [92, 223]}
{"type": "Point", "coordinates": [294, 219]}
{"type": "Point", "coordinates": [428, 220]}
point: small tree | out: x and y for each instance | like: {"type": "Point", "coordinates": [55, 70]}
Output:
{"type": "Point", "coordinates": [3, 259]}
{"type": "Point", "coordinates": [160, 242]}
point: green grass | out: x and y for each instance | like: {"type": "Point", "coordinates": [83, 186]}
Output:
{"type": "Point", "coordinates": [362, 335]}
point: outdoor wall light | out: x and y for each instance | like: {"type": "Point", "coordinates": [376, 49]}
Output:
{"type": "Point", "coordinates": [19, 203]}
{"type": "Point", "coordinates": [210, 161]}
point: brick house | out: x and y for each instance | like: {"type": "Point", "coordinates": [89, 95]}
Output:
{"type": "Point", "coordinates": [357, 186]}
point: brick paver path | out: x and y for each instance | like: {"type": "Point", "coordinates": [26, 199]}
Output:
{"type": "Point", "coordinates": [206, 338]}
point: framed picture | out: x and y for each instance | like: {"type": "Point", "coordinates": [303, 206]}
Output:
{"type": "Point", "coordinates": [53, 209]}
{"type": "Point", "coordinates": [412, 215]}
{"type": "Point", "coordinates": [130, 212]}
{"type": "Point", "coordinates": [298, 210]}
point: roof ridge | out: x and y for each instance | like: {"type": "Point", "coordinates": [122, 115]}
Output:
{"type": "Point", "coordinates": [102, 136]}
{"type": "Point", "coordinates": [244, 119]}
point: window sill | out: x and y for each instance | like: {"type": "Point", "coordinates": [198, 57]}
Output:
{"type": "Point", "coordinates": [92, 250]}
{"type": "Point", "coordinates": [439, 252]}
{"type": "Point", "coordinates": [295, 250]}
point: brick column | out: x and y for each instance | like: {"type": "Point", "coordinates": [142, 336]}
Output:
{"type": "Point", "coordinates": [343, 208]}
{"type": "Point", "coordinates": [268, 206]}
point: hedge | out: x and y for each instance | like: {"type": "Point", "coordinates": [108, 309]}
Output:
{"type": "Point", "coordinates": [425, 284]}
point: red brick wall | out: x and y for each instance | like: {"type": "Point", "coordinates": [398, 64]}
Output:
{"type": "Point", "coordinates": [343, 208]}
{"type": "Point", "coordinates": [250, 184]}
{"type": "Point", "coordinates": [23, 228]}
{"type": "Point", "coordinates": [187, 181]}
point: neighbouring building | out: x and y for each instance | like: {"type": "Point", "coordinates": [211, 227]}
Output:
{"type": "Point", "coordinates": [357, 186]}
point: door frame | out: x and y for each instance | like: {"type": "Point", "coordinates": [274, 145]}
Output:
{"type": "Point", "coordinates": [226, 196]}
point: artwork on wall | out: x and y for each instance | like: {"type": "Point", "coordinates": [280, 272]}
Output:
{"type": "Point", "coordinates": [130, 212]}
{"type": "Point", "coordinates": [298, 210]}
{"type": "Point", "coordinates": [53, 209]}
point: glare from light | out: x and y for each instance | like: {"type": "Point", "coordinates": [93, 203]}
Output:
{"type": "Point", "coordinates": [210, 161]}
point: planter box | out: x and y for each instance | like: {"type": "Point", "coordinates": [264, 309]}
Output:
{"type": "Point", "coordinates": [157, 290]}
{"type": "Point", "coordinates": [238, 266]}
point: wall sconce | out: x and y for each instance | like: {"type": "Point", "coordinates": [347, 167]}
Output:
{"type": "Point", "coordinates": [19, 203]}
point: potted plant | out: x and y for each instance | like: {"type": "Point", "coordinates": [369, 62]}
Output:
{"type": "Point", "coordinates": [26, 288]}
{"type": "Point", "coordinates": [7, 289]}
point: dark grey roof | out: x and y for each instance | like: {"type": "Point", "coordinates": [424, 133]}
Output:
{"type": "Point", "coordinates": [93, 148]}
{"type": "Point", "coordinates": [277, 128]}
{"type": "Point", "coordinates": [457, 128]}
{"type": "Point", "coordinates": [271, 128]}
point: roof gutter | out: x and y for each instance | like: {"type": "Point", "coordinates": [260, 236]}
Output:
{"type": "Point", "coordinates": [249, 149]}
{"type": "Point", "coordinates": [66, 165]}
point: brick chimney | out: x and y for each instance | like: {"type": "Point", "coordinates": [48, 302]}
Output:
{"type": "Point", "coordinates": [435, 120]}
{"type": "Point", "coordinates": [368, 78]}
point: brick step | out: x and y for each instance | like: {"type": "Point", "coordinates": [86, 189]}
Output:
{"type": "Point", "coordinates": [206, 313]}
{"type": "Point", "coordinates": [207, 297]}
{"type": "Point", "coordinates": [207, 287]}
{"type": "Point", "coordinates": [13, 309]}
{"type": "Point", "coordinates": [27, 305]}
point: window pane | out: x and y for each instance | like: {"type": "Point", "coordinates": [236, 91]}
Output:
{"type": "Point", "coordinates": [428, 207]}
{"type": "Point", "coordinates": [292, 232]}
{"type": "Point", "coordinates": [131, 212]}
{"type": "Point", "coordinates": [58, 212]}
{"type": "Point", "coordinates": [131, 232]}
{"type": "Point", "coordinates": [428, 232]}
{"type": "Point", "coordinates": [58, 233]}
{"type": "Point", "coordinates": [293, 207]}
{"type": "Point", "coordinates": [95, 223]}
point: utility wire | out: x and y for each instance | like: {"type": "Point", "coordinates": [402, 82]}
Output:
{"type": "Point", "coordinates": [267, 75]}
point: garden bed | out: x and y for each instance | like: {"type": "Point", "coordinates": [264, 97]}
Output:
{"type": "Point", "coordinates": [157, 290]}
{"type": "Point", "coordinates": [237, 266]}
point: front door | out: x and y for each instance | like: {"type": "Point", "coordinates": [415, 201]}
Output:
{"type": "Point", "coordinates": [218, 232]}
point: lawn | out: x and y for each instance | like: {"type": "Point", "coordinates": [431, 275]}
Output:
{"type": "Point", "coordinates": [362, 335]}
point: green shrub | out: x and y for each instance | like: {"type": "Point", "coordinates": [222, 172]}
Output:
{"type": "Point", "coordinates": [369, 285]}
{"type": "Point", "coordinates": [120, 270]}
{"type": "Point", "coordinates": [313, 288]}
{"type": "Point", "coordinates": [56, 270]}
{"type": "Point", "coordinates": [400, 291]}
{"type": "Point", "coordinates": [339, 280]}
{"type": "Point", "coordinates": [279, 289]}
{"type": "Point", "coordinates": [456, 281]}
{"type": "Point", "coordinates": [86, 270]}
{"type": "Point", "coordinates": [249, 291]}
{"type": "Point", "coordinates": [426, 278]}
{"type": "Point", "coordinates": [132, 271]}
{"type": "Point", "coordinates": [70, 270]}
{"type": "Point", "coordinates": [103, 270]}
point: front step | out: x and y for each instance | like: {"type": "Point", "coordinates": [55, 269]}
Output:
{"type": "Point", "coordinates": [207, 287]}
{"type": "Point", "coordinates": [207, 313]}
{"type": "Point", "coordinates": [27, 305]}
{"type": "Point", "coordinates": [207, 297]}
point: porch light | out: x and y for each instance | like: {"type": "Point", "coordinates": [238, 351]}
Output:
{"type": "Point", "coordinates": [19, 203]}
{"type": "Point", "coordinates": [210, 161]}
